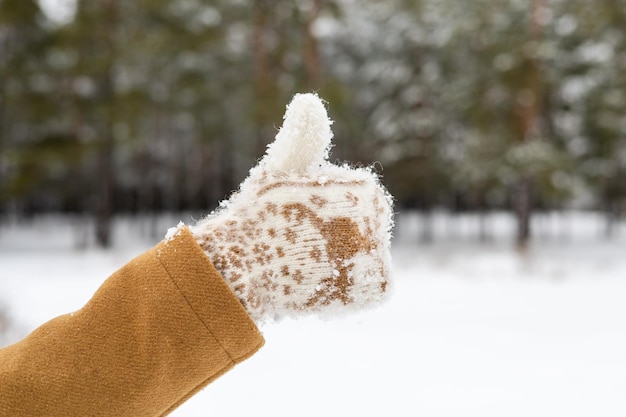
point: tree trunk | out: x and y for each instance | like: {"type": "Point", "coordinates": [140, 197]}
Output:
{"type": "Point", "coordinates": [522, 205]}
{"type": "Point", "coordinates": [105, 207]}
{"type": "Point", "coordinates": [529, 114]}
{"type": "Point", "coordinates": [262, 78]}
{"type": "Point", "coordinates": [311, 58]}
{"type": "Point", "coordinates": [104, 210]}
{"type": "Point", "coordinates": [612, 217]}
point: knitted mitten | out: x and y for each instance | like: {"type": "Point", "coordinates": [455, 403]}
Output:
{"type": "Point", "coordinates": [302, 234]}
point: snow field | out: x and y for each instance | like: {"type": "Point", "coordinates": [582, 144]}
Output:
{"type": "Point", "coordinates": [470, 329]}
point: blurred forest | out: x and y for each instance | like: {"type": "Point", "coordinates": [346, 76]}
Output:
{"type": "Point", "coordinates": [154, 106]}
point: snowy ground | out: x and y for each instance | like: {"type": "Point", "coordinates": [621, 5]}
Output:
{"type": "Point", "coordinates": [471, 329]}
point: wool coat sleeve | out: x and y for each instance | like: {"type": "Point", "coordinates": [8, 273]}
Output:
{"type": "Point", "coordinates": [156, 332]}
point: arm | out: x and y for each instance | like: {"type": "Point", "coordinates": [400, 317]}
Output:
{"type": "Point", "coordinates": [156, 332]}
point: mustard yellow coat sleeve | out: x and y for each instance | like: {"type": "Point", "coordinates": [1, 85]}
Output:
{"type": "Point", "coordinates": [157, 331]}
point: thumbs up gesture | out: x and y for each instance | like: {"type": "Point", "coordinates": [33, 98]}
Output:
{"type": "Point", "coordinates": [302, 235]}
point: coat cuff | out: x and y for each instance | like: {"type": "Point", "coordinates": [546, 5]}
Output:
{"type": "Point", "coordinates": [208, 295]}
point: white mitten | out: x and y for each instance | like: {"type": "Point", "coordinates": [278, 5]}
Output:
{"type": "Point", "coordinates": [301, 234]}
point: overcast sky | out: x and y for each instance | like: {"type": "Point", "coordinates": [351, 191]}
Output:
{"type": "Point", "coordinates": [59, 11]}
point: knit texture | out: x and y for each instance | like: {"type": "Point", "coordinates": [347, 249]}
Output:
{"type": "Point", "coordinates": [156, 332]}
{"type": "Point", "coordinates": [302, 235]}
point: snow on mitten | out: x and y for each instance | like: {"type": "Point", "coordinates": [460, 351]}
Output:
{"type": "Point", "coordinates": [302, 235]}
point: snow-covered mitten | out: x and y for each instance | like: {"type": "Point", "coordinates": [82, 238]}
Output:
{"type": "Point", "coordinates": [302, 235]}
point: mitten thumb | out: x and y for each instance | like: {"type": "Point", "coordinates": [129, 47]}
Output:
{"type": "Point", "coordinates": [303, 142]}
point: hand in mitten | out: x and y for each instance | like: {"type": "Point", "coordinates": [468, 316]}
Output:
{"type": "Point", "coordinates": [302, 235]}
